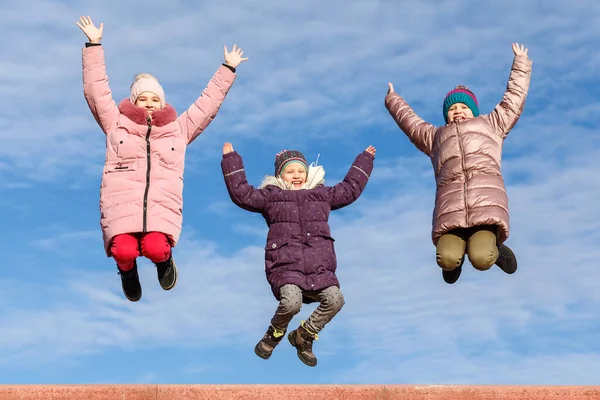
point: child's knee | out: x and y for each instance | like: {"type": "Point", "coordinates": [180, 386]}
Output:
{"type": "Point", "coordinates": [450, 250]}
{"type": "Point", "coordinates": [482, 259]}
{"type": "Point", "coordinates": [124, 256]}
{"type": "Point", "coordinates": [482, 249]}
{"type": "Point", "coordinates": [449, 259]}
{"type": "Point", "coordinates": [338, 302]}
{"type": "Point", "coordinates": [290, 305]}
{"type": "Point", "coordinates": [156, 247]}
{"type": "Point", "coordinates": [334, 299]}
{"type": "Point", "coordinates": [124, 248]}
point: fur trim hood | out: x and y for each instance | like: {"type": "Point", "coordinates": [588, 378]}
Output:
{"type": "Point", "coordinates": [316, 177]}
{"type": "Point", "coordinates": [161, 117]}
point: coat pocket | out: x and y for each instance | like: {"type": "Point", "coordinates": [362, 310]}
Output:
{"type": "Point", "coordinates": [277, 252]}
{"type": "Point", "coordinates": [175, 152]}
{"type": "Point", "coordinates": [120, 166]}
{"type": "Point", "coordinates": [324, 249]}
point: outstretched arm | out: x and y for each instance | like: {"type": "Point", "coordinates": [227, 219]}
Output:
{"type": "Point", "coordinates": [506, 114]}
{"type": "Point", "coordinates": [200, 114]}
{"type": "Point", "coordinates": [96, 90]}
{"type": "Point", "coordinates": [347, 191]}
{"type": "Point", "coordinates": [240, 191]}
{"type": "Point", "coordinates": [419, 132]}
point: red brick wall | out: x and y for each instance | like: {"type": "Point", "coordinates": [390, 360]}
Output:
{"type": "Point", "coordinates": [295, 392]}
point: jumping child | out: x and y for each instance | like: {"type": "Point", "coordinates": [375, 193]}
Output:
{"type": "Point", "coordinates": [141, 195]}
{"type": "Point", "coordinates": [471, 206]}
{"type": "Point", "coordinates": [300, 259]}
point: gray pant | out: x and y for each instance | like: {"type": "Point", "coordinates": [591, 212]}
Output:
{"type": "Point", "coordinates": [331, 302]}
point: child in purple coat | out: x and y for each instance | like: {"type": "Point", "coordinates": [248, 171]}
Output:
{"type": "Point", "coordinates": [300, 260]}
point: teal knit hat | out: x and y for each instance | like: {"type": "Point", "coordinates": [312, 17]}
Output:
{"type": "Point", "coordinates": [460, 94]}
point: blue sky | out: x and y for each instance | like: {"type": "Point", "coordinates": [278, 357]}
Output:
{"type": "Point", "coordinates": [316, 81]}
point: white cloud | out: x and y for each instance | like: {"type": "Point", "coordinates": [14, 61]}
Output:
{"type": "Point", "coordinates": [400, 318]}
{"type": "Point", "coordinates": [318, 75]}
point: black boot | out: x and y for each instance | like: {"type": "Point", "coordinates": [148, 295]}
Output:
{"type": "Point", "coordinates": [507, 261]}
{"type": "Point", "coordinates": [130, 281]}
{"type": "Point", "coordinates": [452, 276]}
{"type": "Point", "coordinates": [167, 273]}
{"type": "Point", "coordinates": [267, 344]}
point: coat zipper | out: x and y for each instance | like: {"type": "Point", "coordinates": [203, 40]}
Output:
{"type": "Point", "coordinates": [312, 285]}
{"type": "Point", "coordinates": [462, 161]}
{"type": "Point", "coordinates": [149, 122]}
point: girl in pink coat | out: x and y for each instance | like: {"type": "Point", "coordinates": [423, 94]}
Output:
{"type": "Point", "coordinates": [471, 206]}
{"type": "Point", "coordinates": [142, 182]}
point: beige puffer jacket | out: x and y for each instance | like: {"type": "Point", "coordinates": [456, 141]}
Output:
{"type": "Point", "coordinates": [466, 157]}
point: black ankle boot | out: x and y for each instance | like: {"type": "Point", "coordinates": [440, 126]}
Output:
{"type": "Point", "coordinates": [507, 261]}
{"type": "Point", "coordinates": [130, 281]}
{"type": "Point", "coordinates": [167, 273]}
{"type": "Point", "coordinates": [452, 276]}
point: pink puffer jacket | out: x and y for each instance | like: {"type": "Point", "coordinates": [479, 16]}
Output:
{"type": "Point", "coordinates": [466, 157]}
{"type": "Point", "coordinates": [142, 181]}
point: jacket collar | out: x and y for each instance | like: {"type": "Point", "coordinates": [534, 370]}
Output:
{"type": "Point", "coordinates": [316, 177]}
{"type": "Point", "coordinates": [138, 115]}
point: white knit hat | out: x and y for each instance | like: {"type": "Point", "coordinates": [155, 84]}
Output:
{"type": "Point", "coordinates": [145, 82]}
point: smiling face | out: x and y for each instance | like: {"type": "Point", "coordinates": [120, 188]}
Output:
{"type": "Point", "coordinates": [459, 112]}
{"type": "Point", "coordinates": [149, 101]}
{"type": "Point", "coordinates": [294, 174]}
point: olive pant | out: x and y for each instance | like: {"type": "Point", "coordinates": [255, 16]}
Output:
{"type": "Point", "coordinates": [478, 243]}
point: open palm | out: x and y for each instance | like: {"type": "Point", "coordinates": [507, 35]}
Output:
{"type": "Point", "coordinates": [519, 50]}
{"type": "Point", "coordinates": [93, 34]}
{"type": "Point", "coordinates": [233, 58]}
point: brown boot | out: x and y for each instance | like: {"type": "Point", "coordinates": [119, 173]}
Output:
{"type": "Point", "coordinates": [265, 347]}
{"type": "Point", "coordinates": [302, 340]}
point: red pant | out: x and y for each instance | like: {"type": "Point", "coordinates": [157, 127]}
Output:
{"type": "Point", "coordinates": [126, 248]}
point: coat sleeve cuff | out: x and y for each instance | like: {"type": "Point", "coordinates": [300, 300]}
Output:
{"type": "Point", "coordinates": [229, 155]}
{"type": "Point", "coordinates": [230, 67]}
{"type": "Point", "coordinates": [366, 153]}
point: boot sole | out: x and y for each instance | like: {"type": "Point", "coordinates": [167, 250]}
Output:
{"type": "Point", "coordinates": [132, 299]}
{"type": "Point", "coordinates": [292, 341]}
{"type": "Point", "coordinates": [174, 280]}
{"type": "Point", "coordinates": [450, 279]}
{"type": "Point", "coordinates": [258, 352]}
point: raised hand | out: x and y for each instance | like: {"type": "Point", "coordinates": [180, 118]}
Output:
{"type": "Point", "coordinates": [371, 150]}
{"type": "Point", "coordinates": [93, 34]}
{"type": "Point", "coordinates": [519, 50]}
{"type": "Point", "coordinates": [233, 58]}
{"type": "Point", "coordinates": [227, 148]}
{"type": "Point", "coordinates": [390, 88]}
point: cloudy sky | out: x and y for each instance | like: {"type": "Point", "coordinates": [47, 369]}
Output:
{"type": "Point", "coordinates": [316, 81]}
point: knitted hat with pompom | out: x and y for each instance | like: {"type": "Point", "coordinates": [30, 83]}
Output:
{"type": "Point", "coordinates": [145, 82]}
{"type": "Point", "coordinates": [460, 94]}
{"type": "Point", "coordinates": [284, 157]}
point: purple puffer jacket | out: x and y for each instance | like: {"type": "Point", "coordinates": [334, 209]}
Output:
{"type": "Point", "coordinates": [299, 247]}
